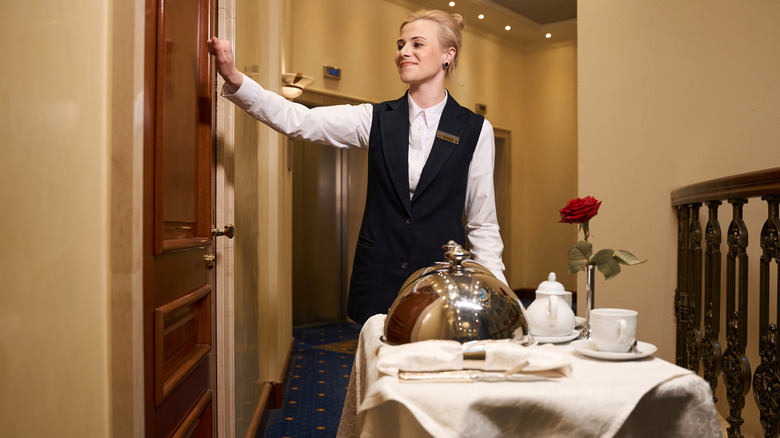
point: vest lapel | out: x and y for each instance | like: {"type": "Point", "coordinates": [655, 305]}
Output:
{"type": "Point", "coordinates": [394, 129]}
{"type": "Point", "coordinates": [442, 148]}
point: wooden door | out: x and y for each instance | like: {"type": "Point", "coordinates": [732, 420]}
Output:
{"type": "Point", "coordinates": [179, 347]}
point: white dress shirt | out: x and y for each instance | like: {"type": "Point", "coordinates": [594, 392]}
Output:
{"type": "Point", "coordinates": [347, 126]}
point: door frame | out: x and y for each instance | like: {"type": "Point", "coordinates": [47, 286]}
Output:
{"type": "Point", "coordinates": [125, 301]}
{"type": "Point", "coordinates": [225, 249]}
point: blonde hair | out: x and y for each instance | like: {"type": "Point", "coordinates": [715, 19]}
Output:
{"type": "Point", "coordinates": [450, 26]}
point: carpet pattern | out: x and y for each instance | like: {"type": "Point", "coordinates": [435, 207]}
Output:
{"type": "Point", "coordinates": [316, 383]}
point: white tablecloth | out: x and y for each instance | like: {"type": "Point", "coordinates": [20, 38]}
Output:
{"type": "Point", "coordinates": [648, 397]}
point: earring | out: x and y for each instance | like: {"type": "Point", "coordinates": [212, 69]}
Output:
{"type": "Point", "coordinates": [446, 64]}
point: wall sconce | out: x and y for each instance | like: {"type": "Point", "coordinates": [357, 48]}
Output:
{"type": "Point", "coordinates": [294, 83]}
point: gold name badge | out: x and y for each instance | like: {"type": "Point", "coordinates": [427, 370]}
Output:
{"type": "Point", "coordinates": [447, 137]}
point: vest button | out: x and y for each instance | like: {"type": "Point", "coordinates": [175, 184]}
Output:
{"type": "Point", "coordinates": [404, 265]}
{"type": "Point", "coordinates": [408, 221]}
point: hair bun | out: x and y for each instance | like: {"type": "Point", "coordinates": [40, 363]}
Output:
{"type": "Point", "coordinates": [459, 19]}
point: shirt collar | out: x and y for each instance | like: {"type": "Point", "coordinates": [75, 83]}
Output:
{"type": "Point", "coordinates": [430, 115]}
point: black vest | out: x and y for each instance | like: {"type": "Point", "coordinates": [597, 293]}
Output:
{"type": "Point", "coordinates": [399, 236]}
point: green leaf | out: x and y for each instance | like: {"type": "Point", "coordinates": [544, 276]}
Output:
{"type": "Point", "coordinates": [627, 258]}
{"type": "Point", "coordinates": [602, 256]}
{"type": "Point", "coordinates": [610, 268]}
{"type": "Point", "coordinates": [577, 265]}
{"type": "Point", "coordinates": [581, 251]}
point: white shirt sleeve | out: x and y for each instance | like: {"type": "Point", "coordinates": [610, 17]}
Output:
{"type": "Point", "coordinates": [350, 125]}
{"type": "Point", "coordinates": [482, 228]}
{"type": "Point", "coordinates": [337, 125]}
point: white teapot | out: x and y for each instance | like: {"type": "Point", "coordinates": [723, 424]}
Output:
{"type": "Point", "coordinates": [550, 314]}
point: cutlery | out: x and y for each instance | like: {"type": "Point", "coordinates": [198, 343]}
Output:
{"type": "Point", "coordinates": [469, 376]}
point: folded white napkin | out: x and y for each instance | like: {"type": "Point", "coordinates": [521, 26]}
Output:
{"type": "Point", "coordinates": [500, 355]}
{"type": "Point", "coordinates": [506, 355]}
{"type": "Point", "coordinates": [432, 355]}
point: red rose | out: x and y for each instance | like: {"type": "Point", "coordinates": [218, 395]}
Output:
{"type": "Point", "coordinates": [580, 210]}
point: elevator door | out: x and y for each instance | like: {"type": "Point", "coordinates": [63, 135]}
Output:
{"type": "Point", "coordinates": [502, 181]}
{"type": "Point", "coordinates": [319, 262]}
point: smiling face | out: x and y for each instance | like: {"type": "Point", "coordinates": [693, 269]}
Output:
{"type": "Point", "coordinates": [419, 58]}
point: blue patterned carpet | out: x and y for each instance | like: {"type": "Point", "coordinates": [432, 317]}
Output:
{"type": "Point", "coordinates": [317, 382]}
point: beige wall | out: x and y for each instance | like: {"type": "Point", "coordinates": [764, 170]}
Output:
{"type": "Point", "coordinates": [549, 163]}
{"type": "Point", "coordinates": [263, 312]}
{"type": "Point", "coordinates": [530, 94]}
{"type": "Point", "coordinates": [670, 93]}
{"type": "Point", "coordinates": [54, 180]}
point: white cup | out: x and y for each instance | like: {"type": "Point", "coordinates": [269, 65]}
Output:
{"type": "Point", "coordinates": [613, 330]}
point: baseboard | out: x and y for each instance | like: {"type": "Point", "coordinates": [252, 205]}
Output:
{"type": "Point", "coordinates": [260, 418]}
{"type": "Point", "coordinates": [271, 396]}
{"type": "Point", "coordinates": [278, 385]}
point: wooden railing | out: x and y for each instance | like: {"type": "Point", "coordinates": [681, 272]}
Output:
{"type": "Point", "coordinates": [697, 301]}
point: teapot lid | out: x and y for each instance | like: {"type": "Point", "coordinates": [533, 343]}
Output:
{"type": "Point", "coordinates": [551, 285]}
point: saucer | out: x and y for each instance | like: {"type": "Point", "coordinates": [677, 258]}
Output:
{"type": "Point", "coordinates": [557, 339]}
{"type": "Point", "coordinates": [588, 348]}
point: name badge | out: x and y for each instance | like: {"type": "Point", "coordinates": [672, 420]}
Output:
{"type": "Point", "coordinates": [447, 137]}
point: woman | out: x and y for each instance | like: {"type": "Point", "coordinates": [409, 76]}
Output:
{"type": "Point", "coordinates": [429, 160]}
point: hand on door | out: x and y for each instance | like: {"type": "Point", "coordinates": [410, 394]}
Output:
{"type": "Point", "coordinates": [223, 55]}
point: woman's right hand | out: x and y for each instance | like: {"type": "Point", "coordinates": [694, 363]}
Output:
{"type": "Point", "coordinates": [223, 55]}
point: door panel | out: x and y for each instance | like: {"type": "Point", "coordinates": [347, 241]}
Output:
{"type": "Point", "coordinates": [182, 339]}
{"type": "Point", "coordinates": [179, 365]}
{"type": "Point", "coordinates": [184, 140]}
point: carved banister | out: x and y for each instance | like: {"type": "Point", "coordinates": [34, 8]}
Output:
{"type": "Point", "coordinates": [682, 231]}
{"type": "Point", "coordinates": [746, 185]}
{"type": "Point", "coordinates": [711, 350]}
{"type": "Point", "coordinates": [691, 299]}
{"type": "Point", "coordinates": [698, 293]}
{"type": "Point", "coordinates": [736, 366]}
{"type": "Point", "coordinates": [766, 383]}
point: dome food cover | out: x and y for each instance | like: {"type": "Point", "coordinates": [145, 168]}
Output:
{"type": "Point", "coordinates": [455, 300]}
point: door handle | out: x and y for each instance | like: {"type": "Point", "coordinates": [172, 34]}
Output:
{"type": "Point", "coordinates": [229, 231]}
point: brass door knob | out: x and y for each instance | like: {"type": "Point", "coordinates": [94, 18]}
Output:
{"type": "Point", "coordinates": [229, 231]}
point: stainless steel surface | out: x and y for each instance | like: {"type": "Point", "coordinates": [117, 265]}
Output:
{"type": "Point", "coordinates": [318, 281]}
{"type": "Point", "coordinates": [444, 265]}
{"type": "Point", "coordinates": [474, 351]}
{"type": "Point", "coordinates": [228, 231]}
{"type": "Point", "coordinates": [456, 300]}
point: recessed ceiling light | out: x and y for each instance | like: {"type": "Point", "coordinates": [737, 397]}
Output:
{"type": "Point", "coordinates": [452, 4]}
{"type": "Point", "coordinates": [548, 35]}
{"type": "Point", "coordinates": [507, 27]}
{"type": "Point", "coordinates": [481, 16]}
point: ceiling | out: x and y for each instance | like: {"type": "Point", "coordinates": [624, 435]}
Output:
{"type": "Point", "coordinates": [530, 20]}
{"type": "Point", "coordinates": [542, 11]}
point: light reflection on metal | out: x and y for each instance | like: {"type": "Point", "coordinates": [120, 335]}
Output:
{"type": "Point", "coordinates": [456, 300]}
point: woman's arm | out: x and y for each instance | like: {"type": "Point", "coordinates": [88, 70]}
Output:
{"type": "Point", "coordinates": [226, 67]}
{"type": "Point", "coordinates": [482, 227]}
{"type": "Point", "coordinates": [338, 125]}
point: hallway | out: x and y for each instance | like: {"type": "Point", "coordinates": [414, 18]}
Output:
{"type": "Point", "coordinates": [316, 382]}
